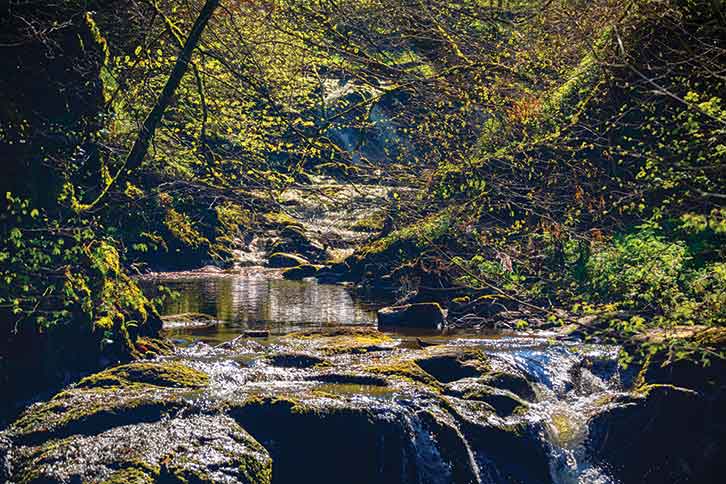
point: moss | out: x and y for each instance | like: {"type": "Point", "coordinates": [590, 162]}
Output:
{"type": "Point", "coordinates": [152, 347]}
{"type": "Point", "coordinates": [90, 410]}
{"type": "Point", "coordinates": [182, 228]}
{"type": "Point", "coordinates": [416, 236]}
{"type": "Point", "coordinates": [562, 424]}
{"type": "Point", "coordinates": [166, 374]}
{"type": "Point", "coordinates": [373, 222]}
{"type": "Point", "coordinates": [406, 369]}
{"type": "Point", "coordinates": [255, 472]}
{"type": "Point", "coordinates": [281, 218]}
{"type": "Point", "coordinates": [130, 475]}
{"type": "Point", "coordinates": [136, 392]}
{"type": "Point", "coordinates": [343, 340]}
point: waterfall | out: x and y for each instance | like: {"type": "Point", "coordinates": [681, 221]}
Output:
{"type": "Point", "coordinates": [572, 382]}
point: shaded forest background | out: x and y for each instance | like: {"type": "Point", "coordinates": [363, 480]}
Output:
{"type": "Point", "coordinates": [566, 159]}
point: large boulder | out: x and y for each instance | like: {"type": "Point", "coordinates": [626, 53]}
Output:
{"type": "Point", "coordinates": [127, 394]}
{"type": "Point", "coordinates": [660, 433]}
{"type": "Point", "coordinates": [418, 315]}
{"type": "Point", "coordinates": [198, 448]}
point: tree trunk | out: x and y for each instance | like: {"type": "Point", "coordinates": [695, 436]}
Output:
{"type": "Point", "coordinates": [141, 145]}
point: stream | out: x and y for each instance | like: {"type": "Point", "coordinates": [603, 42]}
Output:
{"type": "Point", "coordinates": [570, 381]}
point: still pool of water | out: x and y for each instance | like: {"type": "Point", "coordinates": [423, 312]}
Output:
{"type": "Point", "coordinates": [256, 298]}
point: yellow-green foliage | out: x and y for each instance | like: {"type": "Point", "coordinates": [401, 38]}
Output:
{"type": "Point", "coordinates": [182, 228]}
{"type": "Point", "coordinates": [372, 222]}
{"type": "Point", "coordinates": [420, 234]}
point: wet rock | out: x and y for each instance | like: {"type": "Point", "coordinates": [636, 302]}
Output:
{"type": "Point", "coordinates": [514, 383]}
{"type": "Point", "coordinates": [283, 259]}
{"type": "Point", "coordinates": [188, 449]}
{"type": "Point", "coordinates": [376, 442]}
{"type": "Point", "coordinates": [295, 360]}
{"type": "Point", "coordinates": [660, 433]}
{"type": "Point", "coordinates": [5, 449]}
{"type": "Point", "coordinates": [294, 240]}
{"type": "Point", "coordinates": [189, 320]}
{"type": "Point", "coordinates": [133, 393]}
{"type": "Point", "coordinates": [447, 365]}
{"type": "Point", "coordinates": [419, 315]}
{"type": "Point", "coordinates": [503, 402]}
{"type": "Point", "coordinates": [300, 272]}
{"type": "Point", "coordinates": [348, 270]}
{"type": "Point", "coordinates": [350, 379]}
{"type": "Point", "coordinates": [505, 452]}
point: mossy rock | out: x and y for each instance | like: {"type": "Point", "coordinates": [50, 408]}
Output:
{"type": "Point", "coordinates": [447, 365]}
{"type": "Point", "coordinates": [193, 449]}
{"type": "Point", "coordinates": [164, 374]}
{"type": "Point", "coordinates": [512, 451]}
{"type": "Point", "coordinates": [504, 402]}
{"type": "Point", "coordinates": [281, 219]}
{"type": "Point", "coordinates": [152, 347]}
{"type": "Point", "coordinates": [342, 341]}
{"type": "Point", "coordinates": [514, 383]}
{"type": "Point", "coordinates": [373, 222]}
{"type": "Point", "coordinates": [130, 475]}
{"type": "Point", "coordinates": [407, 370]}
{"type": "Point", "coordinates": [283, 259]}
{"type": "Point", "coordinates": [357, 444]}
{"type": "Point", "coordinates": [428, 315]}
{"type": "Point", "coordinates": [137, 392]}
{"type": "Point", "coordinates": [661, 433]}
{"type": "Point", "coordinates": [301, 272]}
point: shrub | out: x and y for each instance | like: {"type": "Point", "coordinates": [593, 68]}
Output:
{"type": "Point", "coordinates": [640, 270]}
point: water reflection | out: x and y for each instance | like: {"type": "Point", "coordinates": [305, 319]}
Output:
{"type": "Point", "coordinates": [259, 299]}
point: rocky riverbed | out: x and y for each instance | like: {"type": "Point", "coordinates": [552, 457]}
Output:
{"type": "Point", "coordinates": [290, 382]}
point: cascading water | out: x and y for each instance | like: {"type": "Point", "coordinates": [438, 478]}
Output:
{"type": "Point", "coordinates": [345, 403]}
{"type": "Point", "coordinates": [573, 382]}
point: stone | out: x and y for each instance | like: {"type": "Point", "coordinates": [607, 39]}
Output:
{"type": "Point", "coordinates": [300, 272]}
{"type": "Point", "coordinates": [283, 259]}
{"type": "Point", "coordinates": [660, 433]}
{"type": "Point", "coordinates": [198, 448]}
{"type": "Point", "coordinates": [418, 315]}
